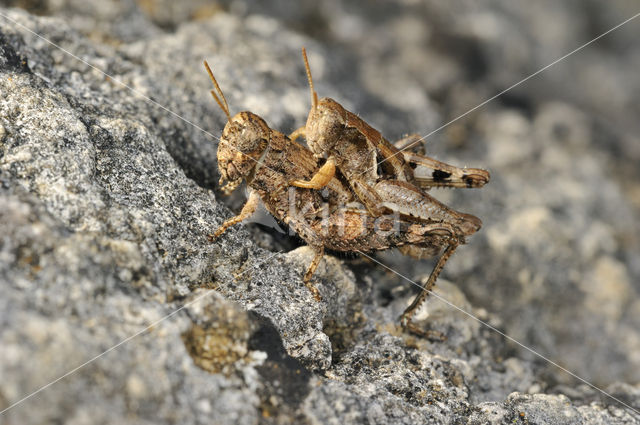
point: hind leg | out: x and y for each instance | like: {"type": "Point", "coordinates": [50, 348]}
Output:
{"type": "Point", "coordinates": [410, 142]}
{"type": "Point", "coordinates": [441, 174]}
{"type": "Point", "coordinates": [319, 251]}
{"type": "Point", "coordinates": [406, 318]}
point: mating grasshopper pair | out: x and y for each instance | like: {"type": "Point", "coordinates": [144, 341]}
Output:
{"type": "Point", "coordinates": [324, 203]}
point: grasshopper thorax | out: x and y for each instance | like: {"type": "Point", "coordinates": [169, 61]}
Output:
{"type": "Point", "coordinates": [242, 145]}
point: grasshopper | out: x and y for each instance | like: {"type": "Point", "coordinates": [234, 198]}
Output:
{"type": "Point", "coordinates": [267, 160]}
{"type": "Point", "coordinates": [357, 150]}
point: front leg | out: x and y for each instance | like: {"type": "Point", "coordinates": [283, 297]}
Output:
{"type": "Point", "coordinates": [247, 210]}
{"type": "Point", "coordinates": [321, 178]}
{"type": "Point", "coordinates": [299, 132]}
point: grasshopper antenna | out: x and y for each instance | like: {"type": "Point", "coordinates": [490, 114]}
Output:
{"type": "Point", "coordinates": [314, 95]}
{"type": "Point", "coordinates": [221, 101]}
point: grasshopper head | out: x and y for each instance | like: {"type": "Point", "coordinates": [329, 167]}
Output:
{"type": "Point", "coordinates": [325, 125]}
{"type": "Point", "coordinates": [244, 140]}
{"type": "Point", "coordinates": [242, 145]}
{"type": "Point", "coordinates": [326, 120]}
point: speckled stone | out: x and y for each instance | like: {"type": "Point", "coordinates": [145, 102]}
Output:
{"type": "Point", "coordinates": [106, 200]}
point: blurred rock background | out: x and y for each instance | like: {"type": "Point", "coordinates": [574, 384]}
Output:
{"type": "Point", "coordinates": [107, 200]}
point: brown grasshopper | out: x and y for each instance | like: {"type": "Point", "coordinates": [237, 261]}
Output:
{"type": "Point", "coordinates": [357, 150]}
{"type": "Point", "coordinates": [268, 161]}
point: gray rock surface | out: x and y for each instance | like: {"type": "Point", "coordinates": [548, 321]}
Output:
{"type": "Point", "coordinates": [106, 200]}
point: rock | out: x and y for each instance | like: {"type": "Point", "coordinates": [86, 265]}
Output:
{"type": "Point", "coordinates": [107, 194]}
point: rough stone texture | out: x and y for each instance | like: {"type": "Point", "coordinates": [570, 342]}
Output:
{"type": "Point", "coordinates": [106, 200]}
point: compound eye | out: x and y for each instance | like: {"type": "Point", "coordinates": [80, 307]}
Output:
{"type": "Point", "coordinates": [249, 141]}
{"type": "Point", "coordinates": [231, 131]}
